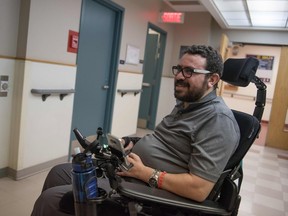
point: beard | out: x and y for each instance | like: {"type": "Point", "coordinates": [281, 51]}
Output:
{"type": "Point", "coordinates": [191, 94]}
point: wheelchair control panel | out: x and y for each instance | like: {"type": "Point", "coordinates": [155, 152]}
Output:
{"type": "Point", "coordinates": [113, 152]}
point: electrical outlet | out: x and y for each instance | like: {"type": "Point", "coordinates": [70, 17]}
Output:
{"type": "Point", "coordinates": [4, 86]}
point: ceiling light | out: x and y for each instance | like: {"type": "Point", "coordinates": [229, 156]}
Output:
{"type": "Point", "coordinates": [253, 13]}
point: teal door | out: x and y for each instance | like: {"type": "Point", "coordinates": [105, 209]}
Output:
{"type": "Point", "coordinates": [97, 62]}
{"type": "Point", "coordinates": [152, 73]}
{"type": "Point", "coordinates": [149, 79]}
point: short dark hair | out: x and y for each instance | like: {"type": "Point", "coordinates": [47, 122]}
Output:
{"type": "Point", "coordinates": [214, 62]}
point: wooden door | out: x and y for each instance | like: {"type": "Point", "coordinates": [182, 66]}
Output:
{"type": "Point", "coordinates": [277, 137]}
{"type": "Point", "coordinates": [224, 53]}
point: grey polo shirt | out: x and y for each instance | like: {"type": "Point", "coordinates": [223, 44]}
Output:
{"type": "Point", "coordinates": [199, 139]}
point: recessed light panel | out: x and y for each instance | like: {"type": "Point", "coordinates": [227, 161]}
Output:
{"type": "Point", "coordinates": [254, 13]}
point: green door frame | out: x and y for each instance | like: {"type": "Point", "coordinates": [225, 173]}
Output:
{"type": "Point", "coordinates": [155, 94]}
{"type": "Point", "coordinates": [114, 60]}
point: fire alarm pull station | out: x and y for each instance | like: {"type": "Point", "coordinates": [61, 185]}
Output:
{"type": "Point", "coordinates": [73, 41]}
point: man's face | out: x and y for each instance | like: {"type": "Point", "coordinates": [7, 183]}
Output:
{"type": "Point", "coordinates": [193, 88]}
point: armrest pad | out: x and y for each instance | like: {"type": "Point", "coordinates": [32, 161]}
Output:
{"type": "Point", "coordinates": [156, 196]}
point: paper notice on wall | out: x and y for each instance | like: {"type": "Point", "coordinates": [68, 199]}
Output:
{"type": "Point", "coordinates": [132, 55]}
{"type": "Point", "coordinates": [265, 68]}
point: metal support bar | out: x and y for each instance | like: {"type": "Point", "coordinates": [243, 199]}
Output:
{"type": "Point", "coordinates": [47, 92]}
{"type": "Point", "coordinates": [125, 91]}
{"type": "Point", "coordinates": [261, 97]}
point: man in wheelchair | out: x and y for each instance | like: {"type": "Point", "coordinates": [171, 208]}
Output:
{"type": "Point", "coordinates": [186, 153]}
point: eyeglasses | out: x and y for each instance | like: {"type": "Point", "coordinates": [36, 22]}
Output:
{"type": "Point", "coordinates": [187, 71]}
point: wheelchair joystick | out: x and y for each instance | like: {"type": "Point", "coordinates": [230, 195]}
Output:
{"type": "Point", "coordinates": [93, 147]}
{"type": "Point", "coordinates": [81, 139]}
{"type": "Point", "coordinates": [99, 132]}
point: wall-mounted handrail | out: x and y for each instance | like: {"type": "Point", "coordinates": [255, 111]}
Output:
{"type": "Point", "coordinates": [240, 96]}
{"type": "Point", "coordinates": [243, 96]}
{"type": "Point", "coordinates": [47, 92]}
{"type": "Point", "coordinates": [125, 91]}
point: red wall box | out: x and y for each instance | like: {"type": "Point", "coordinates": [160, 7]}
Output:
{"type": "Point", "coordinates": [72, 41]}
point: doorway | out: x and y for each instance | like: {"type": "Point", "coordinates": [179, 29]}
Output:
{"type": "Point", "coordinates": [97, 63]}
{"type": "Point", "coordinates": [152, 72]}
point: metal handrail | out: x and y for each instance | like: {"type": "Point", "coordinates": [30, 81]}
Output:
{"type": "Point", "coordinates": [47, 92]}
{"type": "Point", "coordinates": [125, 91]}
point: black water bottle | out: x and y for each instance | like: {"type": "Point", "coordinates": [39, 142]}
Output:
{"type": "Point", "coordinates": [84, 182]}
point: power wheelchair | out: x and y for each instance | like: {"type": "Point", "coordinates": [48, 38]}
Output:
{"type": "Point", "coordinates": [224, 198]}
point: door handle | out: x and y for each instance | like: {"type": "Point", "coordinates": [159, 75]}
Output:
{"type": "Point", "coordinates": [106, 87]}
{"type": "Point", "coordinates": [146, 84]}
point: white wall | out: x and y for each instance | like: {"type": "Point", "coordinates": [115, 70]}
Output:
{"type": "Point", "coordinates": [49, 24]}
{"type": "Point", "coordinates": [195, 30]}
{"type": "Point", "coordinates": [9, 19]}
{"type": "Point", "coordinates": [258, 37]}
{"type": "Point", "coordinates": [7, 68]}
{"type": "Point", "coordinates": [44, 126]}
{"type": "Point", "coordinates": [126, 107]}
{"type": "Point", "coordinates": [167, 100]}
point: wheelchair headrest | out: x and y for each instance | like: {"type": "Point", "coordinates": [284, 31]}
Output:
{"type": "Point", "coordinates": [240, 72]}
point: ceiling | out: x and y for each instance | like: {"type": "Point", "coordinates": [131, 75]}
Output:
{"type": "Point", "coordinates": [239, 14]}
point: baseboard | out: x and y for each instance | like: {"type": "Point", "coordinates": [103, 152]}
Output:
{"type": "Point", "coordinates": [24, 173]}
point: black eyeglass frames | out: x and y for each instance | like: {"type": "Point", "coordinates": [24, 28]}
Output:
{"type": "Point", "coordinates": [187, 71]}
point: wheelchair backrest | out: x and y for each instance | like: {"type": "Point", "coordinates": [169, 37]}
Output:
{"type": "Point", "coordinates": [240, 72]}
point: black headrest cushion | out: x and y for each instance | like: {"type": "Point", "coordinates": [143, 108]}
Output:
{"type": "Point", "coordinates": [240, 72]}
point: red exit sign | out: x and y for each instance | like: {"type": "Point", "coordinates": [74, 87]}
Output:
{"type": "Point", "coordinates": [172, 17]}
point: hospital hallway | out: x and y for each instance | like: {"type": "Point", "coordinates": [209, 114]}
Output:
{"type": "Point", "coordinates": [264, 189]}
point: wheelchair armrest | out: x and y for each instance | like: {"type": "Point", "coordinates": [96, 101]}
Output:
{"type": "Point", "coordinates": [154, 196]}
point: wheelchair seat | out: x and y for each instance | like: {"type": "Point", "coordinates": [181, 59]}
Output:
{"type": "Point", "coordinates": [224, 198]}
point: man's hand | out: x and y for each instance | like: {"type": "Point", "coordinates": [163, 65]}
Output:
{"type": "Point", "coordinates": [139, 170]}
{"type": "Point", "coordinates": [129, 146]}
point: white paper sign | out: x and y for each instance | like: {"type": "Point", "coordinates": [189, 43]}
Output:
{"type": "Point", "coordinates": [132, 55]}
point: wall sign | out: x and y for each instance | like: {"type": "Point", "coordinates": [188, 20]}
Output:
{"type": "Point", "coordinates": [171, 17]}
{"type": "Point", "coordinates": [132, 55]}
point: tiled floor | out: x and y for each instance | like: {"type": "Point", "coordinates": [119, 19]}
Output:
{"type": "Point", "coordinates": [262, 136]}
{"type": "Point", "coordinates": [264, 190]}
{"type": "Point", "coordinates": [17, 197]}
{"type": "Point", "coordinates": [265, 185]}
